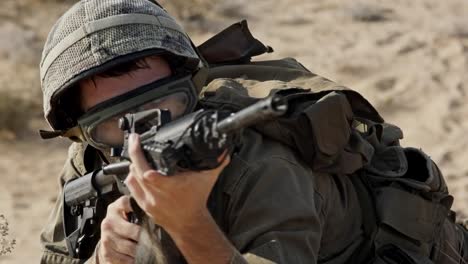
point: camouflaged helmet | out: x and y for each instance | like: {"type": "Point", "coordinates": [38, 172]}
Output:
{"type": "Point", "coordinates": [96, 35]}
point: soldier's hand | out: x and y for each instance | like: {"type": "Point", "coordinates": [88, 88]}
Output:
{"type": "Point", "coordinates": [173, 202]}
{"type": "Point", "coordinates": [118, 236]}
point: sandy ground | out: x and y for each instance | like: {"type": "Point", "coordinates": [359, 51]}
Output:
{"type": "Point", "coordinates": [27, 193]}
{"type": "Point", "coordinates": [410, 58]}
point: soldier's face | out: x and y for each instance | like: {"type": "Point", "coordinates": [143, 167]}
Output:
{"type": "Point", "coordinates": [99, 89]}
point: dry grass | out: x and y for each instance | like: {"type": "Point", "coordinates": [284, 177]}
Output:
{"type": "Point", "coordinates": [6, 244]}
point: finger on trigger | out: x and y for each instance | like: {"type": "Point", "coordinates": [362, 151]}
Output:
{"type": "Point", "coordinates": [121, 205]}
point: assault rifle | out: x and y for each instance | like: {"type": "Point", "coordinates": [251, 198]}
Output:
{"type": "Point", "coordinates": [193, 142]}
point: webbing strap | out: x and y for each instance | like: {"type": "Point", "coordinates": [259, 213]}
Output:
{"type": "Point", "coordinates": [365, 253]}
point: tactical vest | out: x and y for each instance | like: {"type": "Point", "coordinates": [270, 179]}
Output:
{"type": "Point", "coordinates": [404, 199]}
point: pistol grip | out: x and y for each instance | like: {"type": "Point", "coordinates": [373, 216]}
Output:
{"type": "Point", "coordinates": [136, 216]}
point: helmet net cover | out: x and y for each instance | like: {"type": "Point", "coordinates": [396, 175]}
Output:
{"type": "Point", "coordinates": [95, 34]}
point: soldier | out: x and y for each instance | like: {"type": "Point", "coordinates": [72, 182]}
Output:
{"type": "Point", "coordinates": [264, 204]}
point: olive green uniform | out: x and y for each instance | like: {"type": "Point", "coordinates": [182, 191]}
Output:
{"type": "Point", "coordinates": [270, 206]}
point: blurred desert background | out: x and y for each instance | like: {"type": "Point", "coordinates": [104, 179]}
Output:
{"type": "Point", "coordinates": [409, 58]}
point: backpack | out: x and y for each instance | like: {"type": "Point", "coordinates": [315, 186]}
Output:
{"type": "Point", "coordinates": [404, 199]}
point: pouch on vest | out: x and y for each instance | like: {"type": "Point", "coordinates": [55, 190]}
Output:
{"type": "Point", "coordinates": [411, 199]}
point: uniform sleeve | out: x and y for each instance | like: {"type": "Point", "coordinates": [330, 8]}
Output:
{"type": "Point", "coordinates": [52, 236]}
{"type": "Point", "coordinates": [275, 214]}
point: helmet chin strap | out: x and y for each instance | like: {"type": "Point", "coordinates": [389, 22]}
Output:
{"type": "Point", "coordinates": [74, 134]}
{"type": "Point", "coordinates": [199, 79]}
{"type": "Point", "coordinates": [201, 75]}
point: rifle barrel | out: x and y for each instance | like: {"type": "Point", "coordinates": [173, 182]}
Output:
{"type": "Point", "coordinates": [90, 185]}
{"type": "Point", "coordinates": [262, 110]}
{"type": "Point", "coordinates": [119, 169]}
